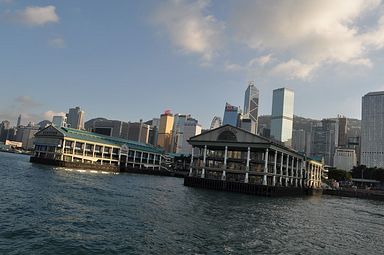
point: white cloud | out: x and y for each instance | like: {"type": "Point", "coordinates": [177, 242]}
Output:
{"type": "Point", "coordinates": [311, 32]}
{"type": "Point", "coordinates": [57, 42]}
{"type": "Point", "coordinates": [35, 15]}
{"type": "Point", "coordinates": [48, 115]}
{"type": "Point", "coordinates": [294, 69]}
{"type": "Point", "coordinates": [190, 28]}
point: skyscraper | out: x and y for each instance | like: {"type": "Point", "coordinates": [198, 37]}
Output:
{"type": "Point", "coordinates": [282, 115]}
{"type": "Point", "coordinates": [343, 132]}
{"type": "Point", "coordinates": [19, 121]}
{"type": "Point", "coordinates": [231, 115]}
{"type": "Point", "coordinates": [251, 106]}
{"type": "Point", "coordinates": [164, 139]}
{"type": "Point", "coordinates": [75, 118]}
{"type": "Point", "coordinates": [59, 121]}
{"type": "Point", "coordinates": [324, 140]}
{"type": "Point", "coordinates": [372, 130]}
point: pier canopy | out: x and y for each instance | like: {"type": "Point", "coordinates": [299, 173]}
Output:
{"type": "Point", "coordinates": [231, 153]}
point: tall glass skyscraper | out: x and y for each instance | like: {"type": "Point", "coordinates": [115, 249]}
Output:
{"type": "Point", "coordinates": [231, 115]}
{"type": "Point", "coordinates": [75, 118]}
{"type": "Point", "coordinates": [282, 115]}
{"type": "Point", "coordinates": [251, 106]}
{"type": "Point", "coordinates": [372, 130]}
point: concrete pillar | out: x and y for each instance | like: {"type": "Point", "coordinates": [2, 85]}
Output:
{"type": "Point", "coordinates": [159, 162]}
{"type": "Point", "coordinates": [265, 167]}
{"type": "Point", "coordinates": [191, 163]}
{"type": "Point", "coordinates": [134, 159]}
{"type": "Point", "coordinates": [287, 173]}
{"type": "Point", "coordinates": [297, 172]}
{"type": "Point", "coordinates": [204, 162]}
{"type": "Point", "coordinates": [223, 177]}
{"type": "Point", "coordinates": [292, 171]}
{"type": "Point", "coordinates": [281, 169]}
{"type": "Point", "coordinates": [274, 170]}
{"type": "Point", "coordinates": [247, 166]}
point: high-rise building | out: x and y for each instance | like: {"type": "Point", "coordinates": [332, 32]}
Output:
{"type": "Point", "coordinates": [251, 106]}
{"type": "Point", "coordinates": [231, 115]}
{"type": "Point", "coordinates": [216, 122]}
{"type": "Point", "coordinates": [372, 130]}
{"type": "Point", "coordinates": [19, 121]}
{"type": "Point", "coordinates": [4, 130]}
{"type": "Point", "coordinates": [299, 140]}
{"type": "Point", "coordinates": [59, 121]}
{"type": "Point", "coordinates": [282, 115]}
{"type": "Point", "coordinates": [113, 128]}
{"type": "Point", "coordinates": [75, 118]}
{"type": "Point", "coordinates": [138, 131]}
{"type": "Point", "coordinates": [345, 159]}
{"type": "Point", "coordinates": [178, 130]}
{"type": "Point", "coordinates": [164, 138]}
{"type": "Point", "coordinates": [324, 140]}
{"type": "Point", "coordinates": [343, 132]}
{"type": "Point", "coordinates": [191, 128]}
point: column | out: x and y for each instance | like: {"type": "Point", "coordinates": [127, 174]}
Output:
{"type": "Point", "coordinates": [297, 172]}
{"type": "Point", "coordinates": [292, 171]}
{"type": "Point", "coordinates": [62, 151]}
{"type": "Point", "coordinates": [223, 177]}
{"type": "Point", "coordinates": [134, 159]}
{"type": "Point", "coordinates": [191, 163]}
{"type": "Point", "coordinates": [247, 166]}
{"type": "Point", "coordinates": [274, 170]}
{"type": "Point", "coordinates": [204, 162]}
{"type": "Point", "coordinates": [159, 162]}
{"type": "Point", "coordinates": [287, 173]}
{"type": "Point", "coordinates": [281, 170]}
{"type": "Point", "coordinates": [265, 167]}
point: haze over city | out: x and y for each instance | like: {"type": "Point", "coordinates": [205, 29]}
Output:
{"type": "Point", "coordinates": [132, 60]}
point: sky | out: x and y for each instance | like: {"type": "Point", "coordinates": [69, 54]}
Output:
{"type": "Point", "coordinates": [131, 60]}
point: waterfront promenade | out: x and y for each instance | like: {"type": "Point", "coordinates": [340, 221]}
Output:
{"type": "Point", "coordinates": [44, 210]}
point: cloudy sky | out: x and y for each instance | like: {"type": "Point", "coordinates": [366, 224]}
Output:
{"type": "Point", "coordinates": [133, 59]}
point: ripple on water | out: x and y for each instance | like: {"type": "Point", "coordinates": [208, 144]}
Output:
{"type": "Point", "coordinates": [53, 211]}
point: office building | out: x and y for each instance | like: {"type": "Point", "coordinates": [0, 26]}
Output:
{"type": "Point", "coordinates": [164, 138]}
{"type": "Point", "coordinates": [59, 121]}
{"type": "Point", "coordinates": [18, 121]}
{"type": "Point", "coordinates": [324, 140]}
{"type": "Point", "coordinates": [343, 132]}
{"type": "Point", "coordinates": [251, 106]}
{"type": "Point", "coordinates": [299, 140]}
{"type": "Point", "coordinates": [282, 116]}
{"type": "Point", "coordinates": [191, 128]}
{"type": "Point", "coordinates": [113, 128]}
{"type": "Point", "coordinates": [139, 132]}
{"type": "Point", "coordinates": [345, 159]}
{"type": "Point", "coordinates": [4, 130]}
{"type": "Point", "coordinates": [75, 118]}
{"type": "Point", "coordinates": [372, 130]}
{"type": "Point", "coordinates": [231, 115]}
{"type": "Point", "coordinates": [216, 122]}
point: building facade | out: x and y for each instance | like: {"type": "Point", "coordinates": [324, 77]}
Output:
{"type": "Point", "coordinates": [59, 121]}
{"type": "Point", "coordinates": [324, 140]}
{"type": "Point", "coordinates": [251, 106]}
{"type": "Point", "coordinates": [282, 115]}
{"type": "Point", "coordinates": [75, 118]}
{"type": "Point", "coordinates": [91, 150]}
{"type": "Point", "coordinates": [231, 115]}
{"type": "Point", "coordinates": [372, 130]}
{"type": "Point", "coordinates": [345, 159]}
{"type": "Point", "coordinates": [164, 139]}
{"type": "Point", "coordinates": [232, 154]}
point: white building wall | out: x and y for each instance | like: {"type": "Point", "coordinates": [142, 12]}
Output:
{"type": "Point", "coordinates": [191, 128]}
{"type": "Point", "coordinates": [345, 159]}
{"type": "Point", "coordinates": [282, 115]}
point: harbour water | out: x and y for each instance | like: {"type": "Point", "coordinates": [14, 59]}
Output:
{"type": "Point", "coordinates": [44, 210]}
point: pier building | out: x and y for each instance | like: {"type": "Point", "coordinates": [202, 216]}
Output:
{"type": "Point", "coordinates": [231, 154]}
{"type": "Point", "coordinates": [69, 147]}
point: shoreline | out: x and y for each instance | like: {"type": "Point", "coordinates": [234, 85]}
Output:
{"type": "Point", "coordinates": [363, 194]}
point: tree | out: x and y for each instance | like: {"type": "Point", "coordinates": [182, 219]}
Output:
{"type": "Point", "coordinates": [339, 175]}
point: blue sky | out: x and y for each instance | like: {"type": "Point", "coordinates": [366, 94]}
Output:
{"type": "Point", "coordinates": [133, 59]}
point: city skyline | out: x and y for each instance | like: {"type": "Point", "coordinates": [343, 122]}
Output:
{"type": "Point", "coordinates": [181, 55]}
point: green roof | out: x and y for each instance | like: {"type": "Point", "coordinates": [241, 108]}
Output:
{"type": "Point", "coordinates": [113, 141]}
